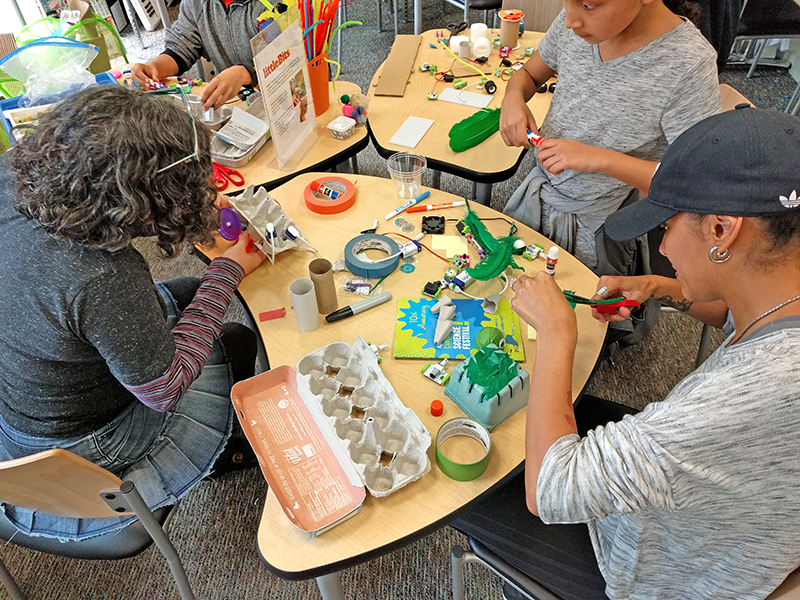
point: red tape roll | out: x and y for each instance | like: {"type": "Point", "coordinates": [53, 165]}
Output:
{"type": "Point", "coordinates": [324, 205]}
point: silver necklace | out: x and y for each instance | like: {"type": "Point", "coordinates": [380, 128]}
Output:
{"type": "Point", "coordinates": [761, 316]}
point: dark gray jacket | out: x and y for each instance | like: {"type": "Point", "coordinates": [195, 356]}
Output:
{"type": "Point", "coordinates": [222, 35]}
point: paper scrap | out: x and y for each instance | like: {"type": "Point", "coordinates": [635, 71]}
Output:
{"type": "Point", "coordinates": [453, 245]}
{"type": "Point", "coordinates": [531, 333]}
{"type": "Point", "coordinates": [411, 132]}
{"type": "Point", "coordinates": [465, 98]}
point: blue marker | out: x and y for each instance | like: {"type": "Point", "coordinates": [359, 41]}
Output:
{"type": "Point", "coordinates": [411, 202]}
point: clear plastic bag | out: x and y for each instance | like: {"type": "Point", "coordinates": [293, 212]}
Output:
{"type": "Point", "coordinates": [51, 68]}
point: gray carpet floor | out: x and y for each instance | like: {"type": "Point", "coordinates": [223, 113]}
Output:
{"type": "Point", "coordinates": [214, 527]}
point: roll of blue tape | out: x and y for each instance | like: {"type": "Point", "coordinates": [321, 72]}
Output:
{"type": "Point", "coordinates": [368, 241]}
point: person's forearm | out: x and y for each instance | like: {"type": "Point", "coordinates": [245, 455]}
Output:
{"type": "Point", "coordinates": [166, 65]}
{"type": "Point", "coordinates": [550, 415]}
{"type": "Point", "coordinates": [633, 171]}
{"type": "Point", "coordinates": [669, 293]}
{"type": "Point", "coordinates": [521, 86]}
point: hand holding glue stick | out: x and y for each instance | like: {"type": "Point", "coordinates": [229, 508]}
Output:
{"type": "Point", "coordinates": [411, 202]}
{"type": "Point", "coordinates": [534, 139]}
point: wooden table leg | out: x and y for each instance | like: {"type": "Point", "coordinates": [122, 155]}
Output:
{"type": "Point", "coordinates": [330, 586]}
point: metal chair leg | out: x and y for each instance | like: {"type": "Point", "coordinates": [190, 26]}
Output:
{"type": "Point", "coordinates": [149, 522]}
{"type": "Point", "coordinates": [133, 18]}
{"type": "Point", "coordinates": [354, 164]}
{"type": "Point", "coordinates": [762, 45]}
{"type": "Point", "coordinates": [794, 101]}
{"type": "Point", "coordinates": [8, 582]}
{"type": "Point", "coordinates": [705, 340]}
{"type": "Point", "coordinates": [396, 26]}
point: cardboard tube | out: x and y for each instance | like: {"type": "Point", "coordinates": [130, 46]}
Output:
{"type": "Point", "coordinates": [509, 32]}
{"type": "Point", "coordinates": [304, 301]}
{"type": "Point", "coordinates": [321, 273]}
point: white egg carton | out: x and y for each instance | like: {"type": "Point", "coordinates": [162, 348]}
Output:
{"type": "Point", "coordinates": [384, 439]}
{"type": "Point", "coordinates": [257, 207]}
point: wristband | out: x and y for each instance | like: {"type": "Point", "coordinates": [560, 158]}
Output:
{"type": "Point", "coordinates": [468, 428]}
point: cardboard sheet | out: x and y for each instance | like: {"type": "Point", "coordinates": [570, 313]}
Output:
{"type": "Point", "coordinates": [305, 465]}
{"type": "Point", "coordinates": [398, 66]}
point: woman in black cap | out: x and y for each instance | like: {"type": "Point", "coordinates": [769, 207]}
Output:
{"type": "Point", "coordinates": [695, 496]}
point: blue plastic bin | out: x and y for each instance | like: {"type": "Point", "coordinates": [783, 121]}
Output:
{"type": "Point", "coordinates": [100, 78]}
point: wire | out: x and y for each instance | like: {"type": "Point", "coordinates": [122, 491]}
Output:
{"type": "Point", "coordinates": [502, 276]}
{"type": "Point", "coordinates": [439, 256]}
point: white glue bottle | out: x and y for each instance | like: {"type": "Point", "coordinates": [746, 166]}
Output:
{"type": "Point", "coordinates": [551, 260]}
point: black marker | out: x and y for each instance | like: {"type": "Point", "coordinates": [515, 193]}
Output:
{"type": "Point", "coordinates": [353, 309]}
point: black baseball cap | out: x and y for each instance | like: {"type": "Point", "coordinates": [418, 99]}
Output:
{"type": "Point", "coordinates": [740, 163]}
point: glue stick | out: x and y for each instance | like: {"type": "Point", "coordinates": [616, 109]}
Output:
{"type": "Point", "coordinates": [551, 260]}
{"type": "Point", "coordinates": [317, 186]}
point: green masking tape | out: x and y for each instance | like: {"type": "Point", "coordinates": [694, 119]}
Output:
{"type": "Point", "coordinates": [468, 428]}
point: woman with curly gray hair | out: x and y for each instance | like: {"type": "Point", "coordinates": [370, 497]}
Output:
{"type": "Point", "coordinates": [95, 357]}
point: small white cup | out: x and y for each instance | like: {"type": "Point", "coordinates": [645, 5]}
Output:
{"type": "Point", "coordinates": [304, 301]}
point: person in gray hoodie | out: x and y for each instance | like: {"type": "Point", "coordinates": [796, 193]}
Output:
{"type": "Point", "coordinates": [217, 30]}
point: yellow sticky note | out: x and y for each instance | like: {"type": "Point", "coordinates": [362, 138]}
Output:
{"type": "Point", "coordinates": [453, 245]}
{"type": "Point", "coordinates": [531, 333]}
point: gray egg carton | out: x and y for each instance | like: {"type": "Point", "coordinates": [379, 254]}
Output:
{"type": "Point", "coordinates": [384, 439]}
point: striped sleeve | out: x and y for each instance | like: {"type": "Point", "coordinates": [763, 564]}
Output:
{"type": "Point", "coordinates": [195, 332]}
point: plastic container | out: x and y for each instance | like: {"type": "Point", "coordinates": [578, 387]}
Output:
{"type": "Point", "coordinates": [342, 127]}
{"type": "Point", "coordinates": [406, 169]}
{"type": "Point", "coordinates": [13, 103]}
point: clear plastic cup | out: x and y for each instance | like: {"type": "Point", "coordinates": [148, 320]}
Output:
{"type": "Point", "coordinates": [406, 169]}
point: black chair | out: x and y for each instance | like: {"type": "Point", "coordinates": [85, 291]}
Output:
{"type": "Point", "coordinates": [762, 20]}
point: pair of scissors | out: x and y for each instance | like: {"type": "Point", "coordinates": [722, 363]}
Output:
{"type": "Point", "coordinates": [456, 28]}
{"type": "Point", "coordinates": [609, 307]}
{"type": "Point", "coordinates": [223, 175]}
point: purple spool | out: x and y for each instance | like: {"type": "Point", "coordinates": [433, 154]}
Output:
{"type": "Point", "coordinates": [230, 225]}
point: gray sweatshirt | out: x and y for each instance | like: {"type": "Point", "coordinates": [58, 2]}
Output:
{"type": "Point", "coordinates": [222, 35]}
{"type": "Point", "coordinates": [696, 497]}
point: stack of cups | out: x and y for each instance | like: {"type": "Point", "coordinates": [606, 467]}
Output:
{"type": "Point", "coordinates": [406, 169]}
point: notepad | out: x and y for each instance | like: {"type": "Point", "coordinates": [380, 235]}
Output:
{"type": "Point", "coordinates": [411, 132]}
{"type": "Point", "coordinates": [465, 98]}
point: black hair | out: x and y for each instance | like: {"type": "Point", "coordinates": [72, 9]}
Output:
{"type": "Point", "coordinates": [686, 8]}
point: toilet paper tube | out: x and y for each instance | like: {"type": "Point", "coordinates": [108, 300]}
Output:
{"type": "Point", "coordinates": [321, 272]}
{"type": "Point", "coordinates": [509, 33]}
{"type": "Point", "coordinates": [455, 42]}
{"type": "Point", "coordinates": [478, 31]}
{"type": "Point", "coordinates": [463, 49]}
{"type": "Point", "coordinates": [482, 48]}
{"type": "Point", "coordinates": [304, 301]}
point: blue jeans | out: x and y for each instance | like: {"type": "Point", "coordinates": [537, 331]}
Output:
{"type": "Point", "coordinates": [163, 453]}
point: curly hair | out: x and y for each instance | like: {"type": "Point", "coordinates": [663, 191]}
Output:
{"type": "Point", "coordinates": [89, 172]}
{"type": "Point", "coordinates": [690, 9]}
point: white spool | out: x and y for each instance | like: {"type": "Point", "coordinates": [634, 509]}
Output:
{"type": "Point", "coordinates": [478, 31]}
{"type": "Point", "coordinates": [482, 47]}
{"type": "Point", "coordinates": [455, 42]}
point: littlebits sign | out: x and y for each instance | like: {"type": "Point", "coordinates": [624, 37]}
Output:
{"type": "Point", "coordinates": [277, 62]}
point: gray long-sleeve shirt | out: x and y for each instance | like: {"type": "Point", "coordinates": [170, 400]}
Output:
{"type": "Point", "coordinates": [222, 35]}
{"type": "Point", "coordinates": [696, 497]}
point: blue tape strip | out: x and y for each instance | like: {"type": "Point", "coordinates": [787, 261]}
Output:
{"type": "Point", "coordinates": [364, 242]}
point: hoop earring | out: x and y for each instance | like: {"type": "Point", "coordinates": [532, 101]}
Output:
{"type": "Point", "coordinates": [718, 257]}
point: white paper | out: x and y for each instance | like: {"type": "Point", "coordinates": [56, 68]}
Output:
{"type": "Point", "coordinates": [286, 91]}
{"type": "Point", "coordinates": [411, 132]}
{"type": "Point", "coordinates": [465, 98]}
{"type": "Point", "coordinates": [243, 130]}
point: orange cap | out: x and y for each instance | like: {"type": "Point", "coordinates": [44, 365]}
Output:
{"type": "Point", "coordinates": [437, 408]}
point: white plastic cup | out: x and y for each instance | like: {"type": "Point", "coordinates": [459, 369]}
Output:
{"type": "Point", "coordinates": [455, 42]}
{"type": "Point", "coordinates": [464, 49]}
{"type": "Point", "coordinates": [482, 48]}
{"type": "Point", "coordinates": [478, 31]}
{"type": "Point", "coordinates": [304, 301]}
{"type": "Point", "coordinates": [406, 169]}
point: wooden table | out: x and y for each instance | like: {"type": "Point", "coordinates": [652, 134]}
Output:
{"type": "Point", "coordinates": [487, 163]}
{"type": "Point", "coordinates": [434, 500]}
{"type": "Point", "coordinates": [326, 153]}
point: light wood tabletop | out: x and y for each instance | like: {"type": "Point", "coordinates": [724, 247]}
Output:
{"type": "Point", "coordinates": [326, 153]}
{"type": "Point", "coordinates": [433, 500]}
{"type": "Point", "coordinates": [488, 162]}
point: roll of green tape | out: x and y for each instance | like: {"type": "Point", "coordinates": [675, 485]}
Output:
{"type": "Point", "coordinates": [468, 428]}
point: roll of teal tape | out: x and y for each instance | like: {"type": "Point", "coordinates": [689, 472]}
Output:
{"type": "Point", "coordinates": [364, 267]}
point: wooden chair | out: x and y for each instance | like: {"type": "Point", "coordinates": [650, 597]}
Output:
{"type": "Point", "coordinates": [60, 483]}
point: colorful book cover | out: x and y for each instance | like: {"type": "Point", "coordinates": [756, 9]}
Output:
{"type": "Point", "coordinates": [413, 334]}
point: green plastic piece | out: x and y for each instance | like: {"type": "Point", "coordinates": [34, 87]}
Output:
{"type": "Point", "coordinates": [345, 99]}
{"type": "Point", "coordinates": [490, 368]}
{"type": "Point", "coordinates": [498, 253]}
{"type": "Point", "coordinates": [574, 299]}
